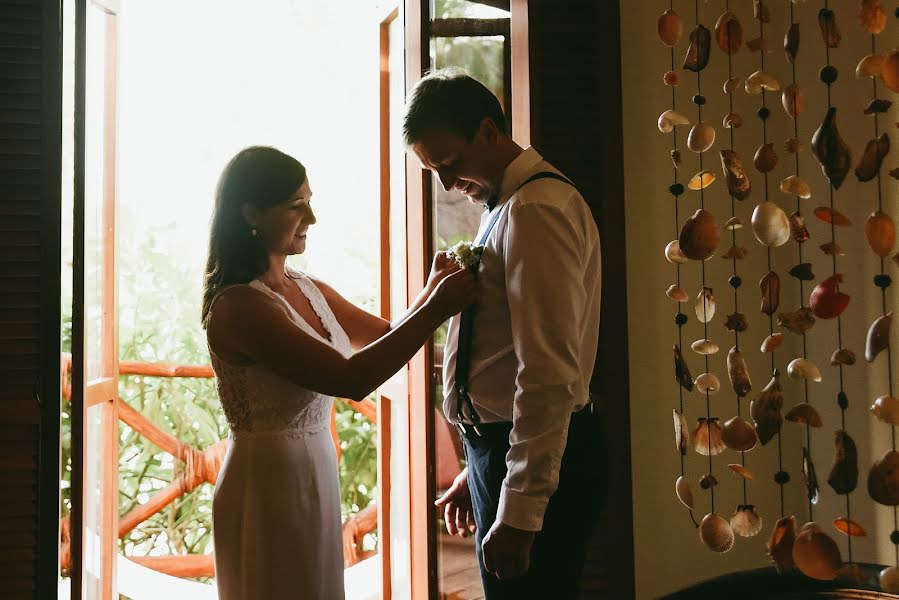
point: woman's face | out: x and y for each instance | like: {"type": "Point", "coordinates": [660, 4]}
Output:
{"type": "Point", "coordinates": [283, 227]}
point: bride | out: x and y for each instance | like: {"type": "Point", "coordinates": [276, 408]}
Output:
{"type": "Point", "coordinates": [284, 344]}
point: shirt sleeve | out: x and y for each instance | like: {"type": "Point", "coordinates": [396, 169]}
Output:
{"type": "Point", "coordinates": [544, 268]}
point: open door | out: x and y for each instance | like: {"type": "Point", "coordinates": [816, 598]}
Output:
{"type": "Point", "coordinates": [95, 332]}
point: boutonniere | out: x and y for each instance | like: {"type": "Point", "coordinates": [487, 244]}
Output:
{"type": "Point", "coordinates": [465, 254]}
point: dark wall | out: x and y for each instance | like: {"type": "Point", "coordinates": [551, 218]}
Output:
{"type": "Point", "coordinates": [30, 147]}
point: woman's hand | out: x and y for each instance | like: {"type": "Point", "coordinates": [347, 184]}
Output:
{"type": "Point", "coordinates": [454, 292]}
{"type": "Point", "coordinates": [441, 267]}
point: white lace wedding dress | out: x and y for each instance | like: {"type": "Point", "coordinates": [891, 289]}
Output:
{"type": "Point", "coordinates": [276, 513]}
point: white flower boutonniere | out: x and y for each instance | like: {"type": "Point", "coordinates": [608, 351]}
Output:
{"type": "Point", "coordinates": [465, 254]}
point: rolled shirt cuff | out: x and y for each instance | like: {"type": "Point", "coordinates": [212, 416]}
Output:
{"type": "Point", "coordinates": [520, 511]}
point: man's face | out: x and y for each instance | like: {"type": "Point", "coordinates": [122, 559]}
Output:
{"type": "Point", "coordinates": [459, 164]}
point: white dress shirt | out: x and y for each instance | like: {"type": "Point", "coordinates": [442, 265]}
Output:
{"type": "Point", "coordinates": [535, 331]}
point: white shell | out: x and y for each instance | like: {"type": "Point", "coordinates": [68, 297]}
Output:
{"type": "Point", "coordinates": [802, 368]}
{"type": "Point", "coordinates": [705, 305]}
{"type": "Point", "coordinates": [770, 224]}
{"type": "Point", "coordinates": [889, 580]}
{"type": "Point", "coordinates": [701, 137]}
{"type": "Point", "coordinates": [716, 533]}
{"type": "Point", "coordinates": [796, 186]}
{"type": "Point", "coordinates": [746, 521]}
{"type": "Point", "coordinates": [673, 253]}
{"type": "Point", "coordinates": [772, 342]}
{"type": "Point", "coordinates": [683, 491]}
{"type": "Point", "coordinates": [886, 408]}
{"type": "Point", "coordinates": [870, 66]}
{"type": "Point", "coordinates": [733, 223]}
{"type": "Point", "coordinates": [759, 81]}
{"type": "Point", "coordinates": [705, 347]}
{"type": "Point", "coordinates": [707, 382]}
{"type": "Point", "coordinates": [669, 119]}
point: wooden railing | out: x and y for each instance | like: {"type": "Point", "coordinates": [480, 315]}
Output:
{"type": "Point", "coordinates": [200, 466]}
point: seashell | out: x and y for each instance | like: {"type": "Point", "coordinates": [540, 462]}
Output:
{"type": "Point", "coordinates": [701, 180]}
{"type": "Point", "coordinates": [816, 554]}
{"type": "Point", "coordinates": [677, 294]}
{"type": "Point", "coordinates": [826, 300]}
{"type": "Point", "coordinates": [716, 533]}
{"type": "Point", "coordinates": [804, 414]}
{"type": "Point", "coordinates": [849, 527]}
{"type": "Point", "coordinates": [675, 158]}
{"type": "Point", "coordinates": [732, 121]}
{"type": "Point", "coordinates": [733, 223]}
{"type": "Point", "coordinates": [700, 236]}
{"type": "Point", "coordinates": [791, 98]}
{"type": "Point", "coordinates": [780, 544]}
{"type": "Point", "coordinates": [886, 408]}
{"type": "Point", "coordinates": [736, 322]}
{"type": "Point", "coordinates": [772, 342]}
{"type": "Point", "coordinates": [798, 229]}
{"type": "Point", "coordinates": [735, 252]}
{"type": "Point", "coordinates": [742, 471]}
{"type": "Point", "coordinates": [827, 21]}
{"type": "Point", "coordinates": [803, 368]}
{"type": "Point", "coordinates": [875, 151]}
{"type": "Point", "coordinates": [770, 288]}
{"type": "Point", "coordinates": [683, 491]}
{"type": "Point", "coordinates": [705, 347]}
{"type": "Point", "coordinates": [765, 410]}
{"type": "Point", "coordinates": [708, 481]}
{"type": "Point", "coordinates": [673, 253]}
{"type": "Point", "coordinates": [793, 145]}
{"type": "Point", "coordinates": [669, 119]}
{"type": "Point", "coordinates": [698, 53]}
{"type": "Point", "coordinates": [870, 66]}
{"type": "Point", "coordinates": [802, 272]}
{"type": "Point", "coordinates": [844, 471]}
{"type": "Point", "coordinates": [798, 321]}
{"type": "Point", "coordinates": [872, 16]}
{"type": "Point", "coordinates": [765, 158]}
{"type": "Point", "coordinates": [670, 28]}
{"type": "Point", "coordinates": [760, 11]}
{"type": "Point", "coordinates": [705, 305]}
{"type": "Point", "coordinates": [890, 71]}
{"type": "Point", "coordinates": [770, 224]}
{"type": "Point", "coordinates": [881, 233]}
{"type": "Point", "coordinates": [809, 477]}
{"type": "Point", "coordinates": [746, 521]}
{"type": "Point", "coordinates": [877, 106]}
{"type": "Point", "coordinates": [831, 150]}
{"type": "Point", "coordinates": [681, 370]}
{"type": "Point", "coordinates": [707, 437]}
{"type": "Point", "coordinates": [671, 78]}
{"type": "Point", "coordinates": [757, 44]}
{"type": "Point", "coordinates": [889, 580]}
{"type": "Point", "coordinates": [791, 42]}
{"type": "Point", "coordinates": [842, 356]}
{"type": "Point", "coordinates": [729, 33]}
{"type": "Point", "coordinates": [878, 336]}
{"type": "Point", "coordinates": [681, 432]}
{"type": "Point", "coordinates": [701, 137]}
{"type": "Point", "coordinates": [759, 81]}
{"type": "Point", "coordinates": [796, 186]}
{"type": "Point", "coordinates": [738, 184]}
{"type": "Point", "coordinates": [731, 84]}
{"type": "Point", "coordinates": [832, 249]}
{"type": "Point", "coordinates": [738, 434]}
{"type": "Point", "coordinates": [883, 479]}
{"type": "Point", "coordinates": [829, 215]}
{"type": "Point", "coordinates": [707, 383]}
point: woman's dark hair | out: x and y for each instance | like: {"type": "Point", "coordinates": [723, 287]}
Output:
{"type": "Point", "coordinates": [262, 177]}
{"type": "Point", "coordinates": [450, 98]}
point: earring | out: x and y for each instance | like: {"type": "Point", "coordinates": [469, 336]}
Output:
{"type": "Point", "coordinates": [253, 232]}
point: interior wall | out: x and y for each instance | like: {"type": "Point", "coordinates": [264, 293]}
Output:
{"type": "Point", "coordinates": [668, 552]}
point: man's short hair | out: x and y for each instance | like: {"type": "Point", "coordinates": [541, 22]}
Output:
{"type": "Point", "coordinates": [451, 99]}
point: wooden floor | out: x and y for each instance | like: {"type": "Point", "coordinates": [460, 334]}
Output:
{"type": "Point", "coordinates": [458, 571]}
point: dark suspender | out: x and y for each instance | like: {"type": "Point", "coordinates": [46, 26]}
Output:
{"type": "Point", "coordinates": [463, 352]}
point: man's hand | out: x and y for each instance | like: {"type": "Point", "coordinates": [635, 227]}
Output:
{"type": "Point", "coordinates": [507, 551]}
{"type": "Point", "coordinates": [456, 504]}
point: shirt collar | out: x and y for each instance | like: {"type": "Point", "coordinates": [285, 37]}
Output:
{"type": "Point", "coordinates": [516, 173]}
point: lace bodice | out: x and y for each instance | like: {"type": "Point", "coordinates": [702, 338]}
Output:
{"type": "Point", "coordinates": [255, 398]}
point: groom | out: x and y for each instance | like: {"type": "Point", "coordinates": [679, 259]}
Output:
{"type": "Point", "coordinates": [517, 366]}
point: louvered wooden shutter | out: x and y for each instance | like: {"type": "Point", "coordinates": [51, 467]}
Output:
{"type": "Point", "coordinates": [30, 149]}
{"type": "Point", "coordinates": [575, 73]}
